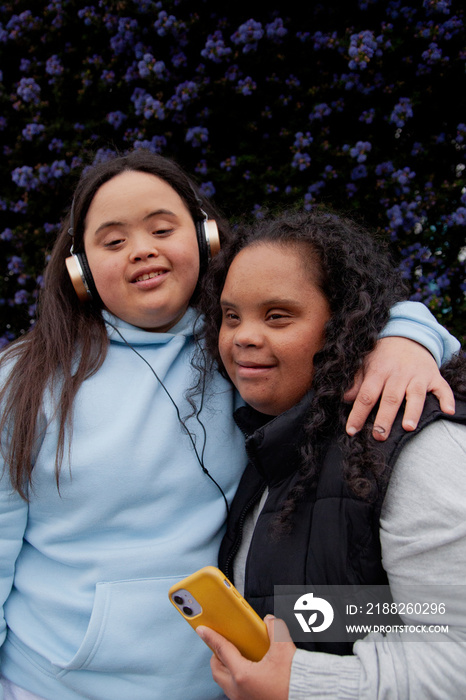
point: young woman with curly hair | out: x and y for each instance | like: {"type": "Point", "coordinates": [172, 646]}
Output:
{"type": "Point", "coordinates": [292, 309]}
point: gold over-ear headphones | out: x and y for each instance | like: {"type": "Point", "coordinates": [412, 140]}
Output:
{"type": "Point", "coordinates": [208, 240]}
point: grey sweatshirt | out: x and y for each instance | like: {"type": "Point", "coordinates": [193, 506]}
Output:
{"type": "Point", "coordinates": [423, 537]}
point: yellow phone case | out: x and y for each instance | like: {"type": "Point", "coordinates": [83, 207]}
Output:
{"type": "Point", "coordinates": [208, 598]}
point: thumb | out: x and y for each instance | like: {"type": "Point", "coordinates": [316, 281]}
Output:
{"type": "Point", "coordinates": [224, 650]}
{"type": "Point", "coordinates": [278, 631]}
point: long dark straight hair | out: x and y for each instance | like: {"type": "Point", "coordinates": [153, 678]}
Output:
{"type": "Point", "coordinates": [69, 342]}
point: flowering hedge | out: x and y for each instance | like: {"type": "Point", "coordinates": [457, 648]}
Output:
{"type": "Point", "coordinates": [357, 105]}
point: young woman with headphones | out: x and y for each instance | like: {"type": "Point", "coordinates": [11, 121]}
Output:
{"type": "Point", "coordinates": [117, 478]}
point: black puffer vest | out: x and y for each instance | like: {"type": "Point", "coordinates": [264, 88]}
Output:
{"type": "Point", "coordinates": [335, 536]}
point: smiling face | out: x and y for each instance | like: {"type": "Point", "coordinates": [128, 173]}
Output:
{"type": "Point", "coordinates": [273, 321]}
{"type": "Point", "coordinates": [141, 245]}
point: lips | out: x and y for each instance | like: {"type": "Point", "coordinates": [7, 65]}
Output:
{"type": "Point", "coordinates": [252, 369]}
{"type": "Point", "coordinates": [253, 365]}
{"type": "Point", "coordinates": [151, 275]}
{"type": "Point", "coordinates": [147, 274]}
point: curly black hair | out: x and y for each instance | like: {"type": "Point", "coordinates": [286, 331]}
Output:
{"type": "Point", "coordinates": [361, 284]}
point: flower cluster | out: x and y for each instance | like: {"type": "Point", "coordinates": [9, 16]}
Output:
{"type": "Point", "coordinates": [363, 46]}
{"type": "Point", "coordinates": [266, 108]}
{"type": "Point", "coordinates": [248, 35]}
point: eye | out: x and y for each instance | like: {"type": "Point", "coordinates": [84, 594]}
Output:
{"type": "Point", "coordinates": [113, 243]}
{"type": "Point", "coordinates": [162, 231]}
{"type": "Point", "coordinates": [229, 316]}
{"type": "Point", "coordinates": [278, 316]}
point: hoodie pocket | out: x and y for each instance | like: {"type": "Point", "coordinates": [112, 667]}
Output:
{"type": "Point", "coordinates": [133, 628]}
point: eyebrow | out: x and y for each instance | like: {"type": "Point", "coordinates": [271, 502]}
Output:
{"type": "Point", "coordinates": [268, 302]}
{"type": "Point", "coordinates": [113, 224]}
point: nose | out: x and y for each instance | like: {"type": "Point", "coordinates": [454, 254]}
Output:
{"type": "Point", "coordinates": [143, 247]}
{"type": "Point", "coordinates": [248, 334]}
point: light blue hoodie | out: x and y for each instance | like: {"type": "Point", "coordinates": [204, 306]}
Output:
{"type": "Point", "coordinates": [88, 615]}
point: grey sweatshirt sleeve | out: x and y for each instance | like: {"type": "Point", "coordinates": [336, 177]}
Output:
{"type": "Point", "coordinates": [423, 536]}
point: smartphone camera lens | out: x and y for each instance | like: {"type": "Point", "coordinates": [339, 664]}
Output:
{"type": "Point", "coordinates": [187, 611]}
{"type": "Point", "coordinates": [178, 599]}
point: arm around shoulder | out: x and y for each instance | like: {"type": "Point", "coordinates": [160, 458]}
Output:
{"type": "Point", "coordinates": [413, 320]}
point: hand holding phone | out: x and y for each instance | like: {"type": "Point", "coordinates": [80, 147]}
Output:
{"type": "Point", "coordinates": [208, 598]}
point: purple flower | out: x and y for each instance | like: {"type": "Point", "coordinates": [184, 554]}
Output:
{"type": "Point", "coordinates": [215, 49]}
{"type": "Point", "coordinates": [25, 65]}
{"type": "Point", "coordinates": [359, 172]}
{"type": "Point", "coordinates": [417, 149]}
{"type": "Point", "coordinates": [433, 54]}
{"type": "Point", "coordinates": [108, 76]}
{"type": "Point", "coordinates": [20, 207]}
{"type": "Point", "coordinates": [440, 6]}
{"type": "Point", "coordinates": [360, 150]}
{"type": "Point", "coordinates": [156, 144]}
{"type": "Point", "coordinates": [207, 189]}
{"type": "Point", "coordinates": [246, 86]}
{"type": "Point", "coordinates": [88, 14]}
{"type": "Point", "coordinates": [322, 41]}
{"type": "Point", "coordinates": [21, 297]}
{"type": "Point", "coordinates": [124, 38]}
{"type": "Point", "coordinates": [56, 145]}
{"type": "Point", "coordinates": [196, 136]}
{"type": "Point", "coordinates": [258, 212]}
{"type": "Point", "coordinates": [28, 90]}
{"type": "Point", "coordinates": [6, 338]}
{"type": "Point", "coordinates": [165, 23]}
{"type": "Point", "coordinates": [320, 111]}
{"type": "Point", "coordinates": [232, 73]}
{"type": "Point", "coordinates": [367, 117]}
{"type": "Point", "coordinates": [185, 92]}
{"type": "Point", "coordinates": [363, 47]}
{"type": "Point", "coordinates": [149, 65]}
{"type": "Point", "coordinates": [31, 130]}
{"type": "Point", "coordinates": [459, 217]}
{"type": "Point", "coordinates": [24, 177]}
{"type": "Point", "coordinates": [15, 264]}
{"type": "Point", "coordinates": [460, 133]}
{"type": "Point", "coordinates": [201, 167]}
{"type": "Point", "coordinates": [276, 31]}
{"type": "Point", "coordinates": [146, 105]}
{"type": "Point", "coordinates": [301, 161]}
{"type": "Point", "coordinates": [248, 35]}
{"type": "Point", "coordinates": [228, 164]}
{"type": "Point", "coordinates": [116, 119]}
{"type": "Point", "coordinates": [403, 177]}
{"type": "Point", "coordinates": [401, 112]}
{"type": "Point", "coordinates": [179, 59]}
{"type": "Point", "coordinates": [21, 24]}
{"type": "Point", "coordinates": [53, 66]}
{"type": "Point", "coordinates": [6, 235]}
{"type": "Point", "coordinates": [329, 173]}
{"type": "Point", "coordinates": [302, 140]}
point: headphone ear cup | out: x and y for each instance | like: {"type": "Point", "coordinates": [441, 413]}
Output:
{"type": "Point", "coordinates": [208, 239]}
{"type": "Point", "coordinates": [81, 277]}
{"type": "Point", "coordinates": [213, 237]}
